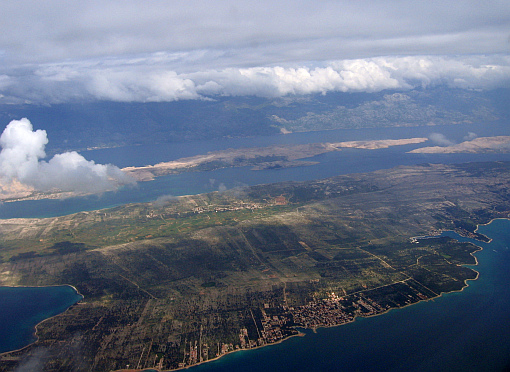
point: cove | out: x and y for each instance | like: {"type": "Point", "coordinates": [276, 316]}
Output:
{"type": "Point", "coordinates": [459, 331]}
{"type": "Point", "coordinates": [22, 308]}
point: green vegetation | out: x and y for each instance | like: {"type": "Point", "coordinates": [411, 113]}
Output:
{"type": "Point", "coordinates": [171, 285]}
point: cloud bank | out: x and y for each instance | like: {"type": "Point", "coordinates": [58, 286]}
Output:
{"type": "Point", "coordinates": [132, 50]}
{"type": "Point", "coordinates": [21, 160]}
{"type": "Point", "coordinates": [246, 33]}
{"type": "Point", "coordinates": [151, 79]}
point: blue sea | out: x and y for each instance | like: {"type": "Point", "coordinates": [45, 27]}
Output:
{"type": "Point", "coordinates": [464, 331]}
{"type": "Point", "coordinates": [330, 164]}
{"type": "Point", "coordinates": [460, 331]}
{"type": "Point", "coordinates": [22, 308]}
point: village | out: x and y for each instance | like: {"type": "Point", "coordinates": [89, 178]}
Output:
{"type": "Point", "coordinates": [273, 325]}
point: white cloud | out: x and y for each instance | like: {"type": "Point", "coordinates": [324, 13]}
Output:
{"type": "Point", "coordinates": [359, 75]}
{"type": "Point", "coordinates": [151, 79]}
{"type": "Point", "coordinates": [21, 160]}
{"type": "Point", "coordinates": [21, 149]}
{"type": "Point", "coordinates": [141, 86]}
{"type": "Point", "coordinates": [440, 139]}
{"type": "Point", "coordinates": [128, 50]}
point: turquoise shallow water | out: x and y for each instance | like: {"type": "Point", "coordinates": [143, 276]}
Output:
{"type": "Point", "coordinates": [461, 331]}
{"type": "Point", "coordinates": [22, 308]}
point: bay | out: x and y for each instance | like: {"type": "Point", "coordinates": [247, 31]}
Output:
{"type": "Point", "coordinates": [22, 308]}
{"type": "Point", "coordinates": [460, 331]}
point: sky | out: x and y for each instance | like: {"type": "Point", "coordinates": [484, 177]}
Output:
{"type": "Point", "coordinates": [63, 51]}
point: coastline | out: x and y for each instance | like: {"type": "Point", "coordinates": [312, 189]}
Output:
{"type": "Point", "coordinates": [288, 337]}
{"type": "Point", "coordinates": [299, 334]}
{"type": "Point", "coordinates": [491, 221]}
{"type": "Point", "coordinates": [259, 157]}
{"type": "Point", "coordinates": [314, 329]}
{"type": "Point", "coordinates": [44, 320]}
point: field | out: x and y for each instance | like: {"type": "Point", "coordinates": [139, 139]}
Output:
{"type": "Point", "coordinates": [170, 285]}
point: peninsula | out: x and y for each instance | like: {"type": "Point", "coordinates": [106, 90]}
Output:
{"type": "Point", "coordinates": [169, 285]}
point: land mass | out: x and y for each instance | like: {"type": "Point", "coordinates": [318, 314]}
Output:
{"type": "Point", "coordinates": [482, 145]}
{"type": "Point", "coordinates": [78, 126]}
{"type": "Point", "coordinates": [169, 285]}
{"type": "Point", "coordinates": [278, 156]}
{"type": "Point", "coordinates": [271, 157]}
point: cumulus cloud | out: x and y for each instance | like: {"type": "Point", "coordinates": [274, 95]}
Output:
{"type": "Point", "coordinates": [152, 79]}
{"type": "Point", "coordinates": [21, 160]}
{"type": "Point", "coordinates": [440, 139]}
{"type": "Point", "coordinates": [131, 51]}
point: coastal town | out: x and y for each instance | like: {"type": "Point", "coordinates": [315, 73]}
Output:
{"type": "Point", "coordinates": [273, 325]}
{"type": "Point", "coordinates": [185, 280]}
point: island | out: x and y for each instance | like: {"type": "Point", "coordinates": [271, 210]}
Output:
{"type": "Point", "coordinates": [481, 145]}
{"type": "Point", "coordinates": [179, 282]}
{"type": "Point", "coordinates": [276, 156]}
{"type": "Point", "coordinates": [270, 157]}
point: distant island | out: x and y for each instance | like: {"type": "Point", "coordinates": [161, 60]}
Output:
{"type": "Point", "coordinates": [498, 144]}
{"type": "Point", "coordinates": [281, 156]}
{"type": "Point", "coordinates": [174, 283]}
{"type": "Point", "coordinates": [271, 157]}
